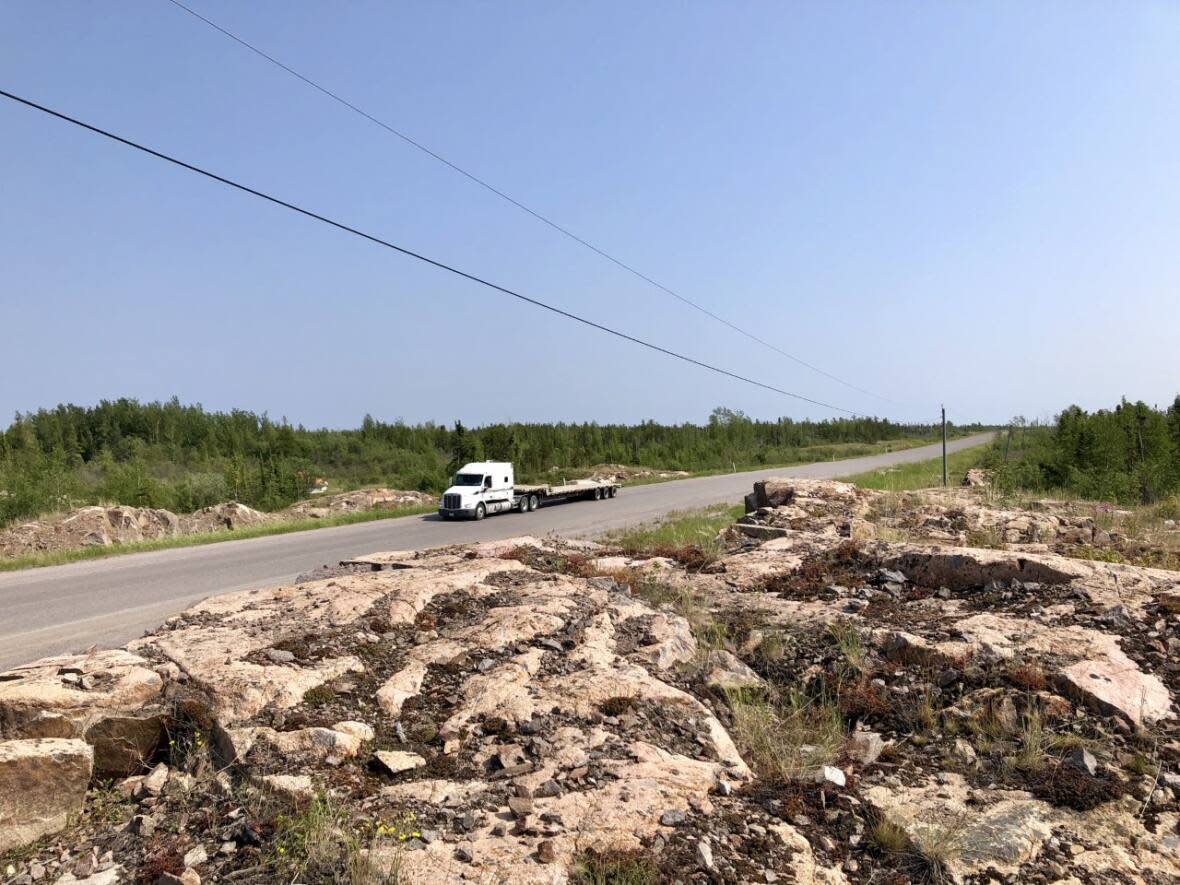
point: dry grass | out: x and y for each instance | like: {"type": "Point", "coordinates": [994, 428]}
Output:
{"type": "Point", "coordinates": [615, 868]}
{"type": "Point", "coordinates": [679, 598]}
{"type": "Point", "coordinates": [889, 837]}
{"type": "Point", "coordinates": [848, 641]}
{"type": "Point", "coordinates": [925, 850]}
{"type": "Point", "coordinates": [772, 648]}
{"type": "Point", "coordinates": [787, 739]}
{"type": "Point", "coordinates": [1026, 675]}
{"type": "Point", "coordinates": [925, 711]}
{"type": "Point", "coordinates": [1039, 744]}
{"type": "Point", "coordinates": [936, 845]}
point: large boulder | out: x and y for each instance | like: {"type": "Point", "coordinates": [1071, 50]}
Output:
{"type": "Point", "coordinates": [230, 515]}
{"type": "Point", "coordinates": [813, 495]}
{"type": "Point", "coordinates": [42, 783]}
{"type": "Point", "coordinates": [961, 569]}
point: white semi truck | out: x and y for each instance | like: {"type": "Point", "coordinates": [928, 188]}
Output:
{"type": "Point", "coordinates": [485, 487]}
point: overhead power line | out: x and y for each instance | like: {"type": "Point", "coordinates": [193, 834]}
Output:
{"type": "Point", "coordinates": [517, 203]}
{"type": "Point", "coordinates": [409, 252]}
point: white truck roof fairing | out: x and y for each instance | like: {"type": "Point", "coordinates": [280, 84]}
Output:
{"type": "Point", "coordinates": [485, 467]}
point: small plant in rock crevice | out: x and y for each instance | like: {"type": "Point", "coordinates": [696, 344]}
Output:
{"type": "Point", "coordinates": [786, 737]}
{"type": "Point", "coordinates": [319, 842]}
{"type": "Point", "coordinates": [616, 868]}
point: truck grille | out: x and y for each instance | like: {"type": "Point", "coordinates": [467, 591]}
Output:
{"type": "Point", "coordinates": [452, 502]}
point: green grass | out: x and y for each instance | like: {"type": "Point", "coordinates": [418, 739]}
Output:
{"type": "Point", "coordinates": [679, 529]}
{"type": "Point", "coordinates": [922, 474]}
{"type": "Point", "coordinates": [61, 557]}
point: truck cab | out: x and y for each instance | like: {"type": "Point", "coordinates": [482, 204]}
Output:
{"type": "Point", "coordinates": [478, 489]}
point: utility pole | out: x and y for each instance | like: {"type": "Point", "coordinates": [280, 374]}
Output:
{"type": "Point", "coordinates": [945, 481]}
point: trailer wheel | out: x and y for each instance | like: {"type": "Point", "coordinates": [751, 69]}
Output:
{"type": "Point", "coordinates": [480, 511]}
{"type": "Point", "coordinates": [612, 491]}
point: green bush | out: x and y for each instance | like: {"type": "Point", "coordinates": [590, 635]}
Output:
{"type": "Point", "coordinates": [1129, 454]}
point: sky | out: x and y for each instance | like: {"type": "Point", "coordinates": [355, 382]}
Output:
{"type": "Point", "coordinates": [976, 204]}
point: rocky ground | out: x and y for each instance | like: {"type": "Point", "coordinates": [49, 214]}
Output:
{"type": "Point", "coordinates": [625, 473]}
{"type": "Point", "coordinates": [103, 526]}
{"type": "Point", "coordinates": [810, 699]}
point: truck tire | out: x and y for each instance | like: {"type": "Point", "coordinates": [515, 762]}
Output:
{"type": "Point", "coordinates": [534, 502]}
{"type": "Point", "coordinates": [612, 491]}
{"type": "Point", "coordinates": [480, 511]}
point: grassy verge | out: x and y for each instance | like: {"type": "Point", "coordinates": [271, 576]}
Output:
{"type": "Point", "coordinates": [922, 474]}
{"type": "Point", "coordinates": [61, 557]}
{"type": "Point", "coordinates": [679, 530]}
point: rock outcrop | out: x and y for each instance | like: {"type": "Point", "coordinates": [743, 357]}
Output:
{"type": "Point", "coordinates": [105, 526]}
{"type": "Point", "coordinates": [96, 526]}
{"type": "Point", "coordinates": [826, 706]}
{"type": "Point", "coordinates": [358, 502]}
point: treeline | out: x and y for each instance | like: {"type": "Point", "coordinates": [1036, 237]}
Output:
{"type": "Point", "coordinates": [182, 457]}
{"type": "Point", "coordinates": [1129, 454]}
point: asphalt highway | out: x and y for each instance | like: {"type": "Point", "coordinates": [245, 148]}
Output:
{"type": "Point", "coordinates": [108, 602]}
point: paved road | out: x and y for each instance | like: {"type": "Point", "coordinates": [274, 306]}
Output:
{"type": "Point", "coordinates": [111, 601]}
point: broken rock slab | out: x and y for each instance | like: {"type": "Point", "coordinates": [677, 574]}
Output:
{"type": "Point", "coordinates": [68, 695]}
{"type": "Point", "coordinates": [397, 761]}
{"type": "Point", "coordinates": [778, 491]}
{"type": "Point", "coordinates": [113, 876]}
{"type": "Point", "coordinates": [42, 782]}
{"type": "Point", "coordinates": [317, 743]}
{"type": "Point", "coordinates": [964, 569]}
{"type": "Point", "coordinates": [725, 672]}
{"type": "Point", "coordinates": [1113, 683]}
{"type": "Point", "coordinates": [293, 787]}
{"type": "Point", "coordinates": [112, 699]}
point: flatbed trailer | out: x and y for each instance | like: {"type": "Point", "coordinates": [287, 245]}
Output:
{"type": "Point", "coordinates": [530, 497]}
{"type": "Point", "coordinates": [486, 487]}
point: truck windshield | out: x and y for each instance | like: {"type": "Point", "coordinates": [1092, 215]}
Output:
{"type": "Point", "coordinates": [468, 479]}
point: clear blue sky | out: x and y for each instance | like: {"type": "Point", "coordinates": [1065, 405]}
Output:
{"type": "Point", "coordinates": [971, 202]}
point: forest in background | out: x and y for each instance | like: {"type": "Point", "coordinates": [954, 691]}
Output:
{"type": "Point", "coordinates": [1129, 454]}
{"type": "Point", "coordinates": [182, 457]}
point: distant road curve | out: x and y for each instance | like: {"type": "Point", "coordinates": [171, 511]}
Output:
{"type": "Point", "coordinates": [109, 602]}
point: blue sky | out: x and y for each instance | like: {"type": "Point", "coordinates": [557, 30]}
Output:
{"type": "Point", "coordinates": [977, 203]}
